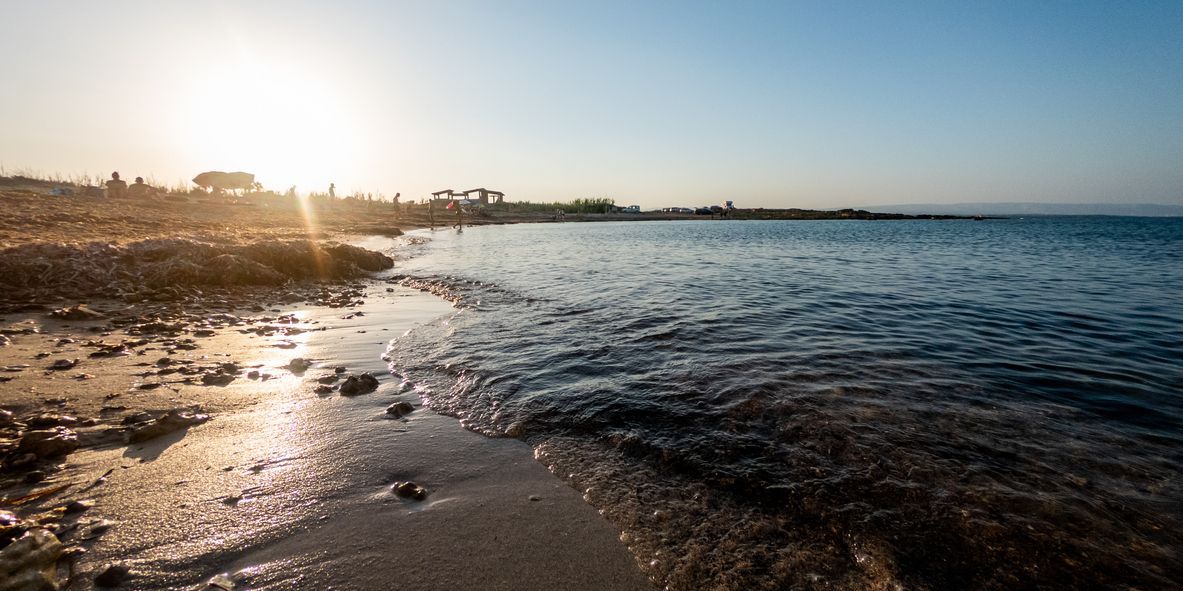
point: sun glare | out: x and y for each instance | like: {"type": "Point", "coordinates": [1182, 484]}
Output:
{"type": "Point", "coordinates": [281, 123]}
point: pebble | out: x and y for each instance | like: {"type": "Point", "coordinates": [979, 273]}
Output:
{"type": "Point", "coordinates": [79, 506]}
{"type": "Point", "coordinates": [410, 490]}
{"type": "Point", "coordinates": [63, 364]}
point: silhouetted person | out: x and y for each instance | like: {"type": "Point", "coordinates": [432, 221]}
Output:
{"type": "Point", "coordinates": [138, 189]}
{"type": "Point", "coordinates": [332, 191]}
{"type": "Point", "coordinates": [116, 188]}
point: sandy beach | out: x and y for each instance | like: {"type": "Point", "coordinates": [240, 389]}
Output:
{"type": "Point", "coordinates": [203, 436]}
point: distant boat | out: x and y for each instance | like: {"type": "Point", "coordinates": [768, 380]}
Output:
{"type": "Point", "coordinates": [979, 218]}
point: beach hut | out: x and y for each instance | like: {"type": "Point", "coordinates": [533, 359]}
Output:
{"type": "Point", "coordinates": [483, 195]}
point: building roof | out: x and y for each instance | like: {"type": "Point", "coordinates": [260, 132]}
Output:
{"type": "Point", "coordinates": [489, 191]}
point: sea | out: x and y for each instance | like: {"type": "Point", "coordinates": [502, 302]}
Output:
{"type": "Point", "coordinates": [925, 404]}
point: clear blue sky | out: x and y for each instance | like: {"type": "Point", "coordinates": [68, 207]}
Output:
{"type": "Point", "coordinates": [775, 104]}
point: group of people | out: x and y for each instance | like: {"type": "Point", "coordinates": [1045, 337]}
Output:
{"type": "Point", "coordinates": [117, 188]}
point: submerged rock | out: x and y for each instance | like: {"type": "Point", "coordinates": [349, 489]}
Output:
{"type": "Point", "coordinates": [360, 384]}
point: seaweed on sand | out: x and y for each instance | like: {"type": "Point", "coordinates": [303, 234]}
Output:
{"type": "Point", "coordinates": [97, 268]}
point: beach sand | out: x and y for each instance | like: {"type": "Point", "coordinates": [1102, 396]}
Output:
{"type": "Point", "coordinates": [283, 486]}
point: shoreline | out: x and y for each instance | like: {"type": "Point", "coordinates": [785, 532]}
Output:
{"type": "Point", "coordinates": [216, 497]}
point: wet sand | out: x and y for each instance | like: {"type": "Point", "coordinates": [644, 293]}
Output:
{"type": "Point", "coordinates": [288, 484]}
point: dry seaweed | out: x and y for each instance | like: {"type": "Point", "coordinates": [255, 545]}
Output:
{"type": "Point", "coordinates": [33, 270]}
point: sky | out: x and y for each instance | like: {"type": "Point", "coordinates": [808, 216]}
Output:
{"type": "Point", "coordinates": [769, 104]}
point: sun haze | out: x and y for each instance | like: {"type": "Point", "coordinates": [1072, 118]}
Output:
{"type": "Point", "coordinates": [769, 104]}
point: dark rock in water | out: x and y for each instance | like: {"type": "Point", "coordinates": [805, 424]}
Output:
{"type": "Point", "coordinates": [339, 369]}
{"type": "Point", "coordinates": [323, 389]}
{"type": "Point", "coordinates": [400, 409]}
{"type": "Point", "coordinates": [175, 420]}
{"type": "Point", "coordinates": [329, 379]}
{"type": "Point", "coordinates": [112, 576]}
{"type": "Point", "coordinates": [79, 312]}
{"type": "Point", "coordinates": [410, 490]}
{"type": "Point", "coordinates": [48, 443]}
{"type": "Point", "coordinates": [362, 384]}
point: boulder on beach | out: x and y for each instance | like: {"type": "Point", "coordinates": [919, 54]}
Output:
{"type": "Point", "coordinates": [32, 562]}
{"type": "Point", "coordinates": [48, 443]}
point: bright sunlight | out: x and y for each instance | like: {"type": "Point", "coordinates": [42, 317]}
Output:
{"type": "Point", "coordinates": [279, 121]}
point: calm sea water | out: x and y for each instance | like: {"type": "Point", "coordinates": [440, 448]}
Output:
{"type": "Point", "coordinates": [852, 405]}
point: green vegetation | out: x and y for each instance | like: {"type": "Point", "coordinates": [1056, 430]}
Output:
{"type": "Point", "coordinates": [588, 205]}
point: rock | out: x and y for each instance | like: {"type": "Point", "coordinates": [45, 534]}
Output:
{"type": "Point", "coordinates": [399, 410]}
{"type": "Point", "coordinates": [359, 384]}
{"type": "Point", "coordinates": [175, 420]}
{"type": "Point", "coordinates": [339, 369]}
{"type": "Point", "coordinates": [79, 312]}
{"type": "Point", "coordinates": [323, 389]}
{"type": "Point", "coordinates": [298, 365]}
{"type": "Point", "coordinates": [253, 374]}
{"type": "Point", "coordinates": [34, 476]}
{"type": "Point", "coordinates": [31, 562]}
{"type": "Point", "coordinates": [22, 461]}
{"type": "Point", "coordinates": [139, 417]}
{"type": "Point", "coordinates": [5, 418]}
{"type": "Point", "coordinates": [48, 443]}
{"type": "Point", "coordinates": [78, 506]}
{"type": "Point", "coordinates": [217, 379]}
{"type": "Point", "coordinates": [63, 364]}
{"type": "Point", "coordinates": [410, 490]}
{"type": "Point", "coordinates": [5, 341]}
{"type": "Point", "coordinates": [222, 581]}
{"type": "Point", "coordinates": [112, 576]}
{"type": "Point", "coordinates": [329, 379]}
{"type": "Point", "coordinates": [47, 420]}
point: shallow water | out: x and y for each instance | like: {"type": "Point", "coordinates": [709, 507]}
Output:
{"type": "Point", "coordinates": [860, 405]}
